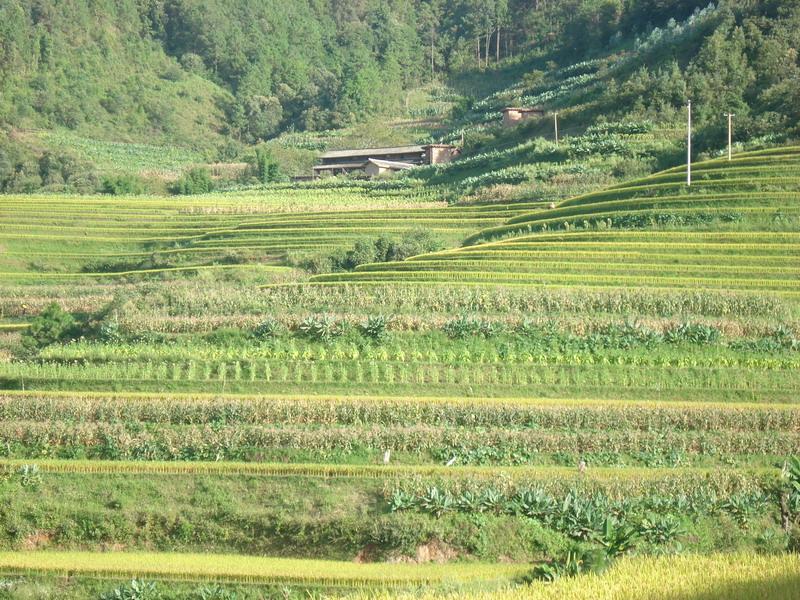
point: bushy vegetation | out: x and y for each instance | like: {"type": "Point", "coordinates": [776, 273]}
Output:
{"type": "Point", "coordinates": [122, 185]}
{"type": "Point", "coordinates": [53, 325]}
{"type": "Point", "coordinates": [385, 248]}
{"type": "Point", "coordinates": [196, 181]}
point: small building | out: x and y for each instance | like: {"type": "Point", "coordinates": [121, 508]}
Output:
{"type": "Point", "coordinates": [436, 154]}
{"type": "Point", "coordinates": [514, 115]}
{"type": "Point", "coordinates": [376, 167]}
{"type": "Point", "coordinates": [377, 161]}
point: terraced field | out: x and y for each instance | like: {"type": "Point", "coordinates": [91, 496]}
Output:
{"type": "Point", "coordinates": [558, 397]}
{"type": "Point", "coordinates": [48, 238]}
{"type": "Point", "coordinates": [742, 218]}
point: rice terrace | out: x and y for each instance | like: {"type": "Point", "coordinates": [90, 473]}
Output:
{"type": "Point", "coordinates": [374, 299]}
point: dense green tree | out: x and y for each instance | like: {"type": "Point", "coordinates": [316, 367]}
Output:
{"type": "Point", "coordinates": [53, 325]}
{"type": "Point", "coordinates": [720, 74]}
{"type": "Point", "coordinates": [266, 168]}
{"type": "Point", "coordinates": [195, 181]}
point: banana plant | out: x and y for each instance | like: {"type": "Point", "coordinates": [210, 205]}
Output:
{"type": "Point", "coordinates": [617, 538]}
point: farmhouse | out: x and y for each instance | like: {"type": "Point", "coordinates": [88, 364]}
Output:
{"type": "Point", "coordinates": [379, 161]}
{"type": "Point", "coordinates": [514, 115]}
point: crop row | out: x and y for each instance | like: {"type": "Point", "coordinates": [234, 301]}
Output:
{"type": "Point", "coordinates": [651, 203]}
{"type": "Point", "coordinates": [209, 442]}
{"type": "Point", "coordinates": [707, 254]}
{"type": "Point", "coordinates": [635, 219]}
{"type": "Point", "coordinates": [165, 270]}
{"type": "Point", "coordinates": [455, 221]}
{"type": "Point", "coordinates": [130, 208]}
{"type": "Point", "coordinates": [562, 279]}
{"type": "Point", "coordinates": [584, 380]}
{"type": "Point", "coordinates": [614, 482]}
{"type": "Point", "coordinates": [457, 299]}
{"type": "Point", "coordinates": [678, 191]}
{"type": "Point", "coordinates": [789, 270]}
{"type": "Point", "coordinates": [381, 362]}
{"type": "Point", "coordinates": [656, 237]}
{"type": "Point", "coordinates": [525, 414]}
{"type": "Point", "coordinates": [197, 306]}
{"type": "Point", "coordinates": [245, 569]}
{"type": "Point", "coordinates": [321, 338]}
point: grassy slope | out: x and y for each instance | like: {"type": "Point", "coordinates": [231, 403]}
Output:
{"type": "Point", "coordinates": [734, 229]}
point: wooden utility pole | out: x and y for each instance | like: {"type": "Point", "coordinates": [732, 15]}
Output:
{"type": "Point", "coordinates": [730, 134]}
{"type": "Point", "coordinates": [555, 122]}
{"type": "Point", "coordinates": [433, 48]}
{"type": "Point", "coordinates": [689, 146]}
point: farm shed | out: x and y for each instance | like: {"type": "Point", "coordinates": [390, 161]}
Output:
{"type": "Point", "coordinates": [397, 158]}
{"type": "Point", "coordinates": [376, 167]}
{"type": "Point", "coordinates": [514, 115]}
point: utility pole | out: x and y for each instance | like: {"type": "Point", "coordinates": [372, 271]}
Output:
{"type": "Point", "coordinates": [689, 146]}
{"type": "Point", "coordinates": [730, 134]}
{"type": "Point", "coordinates": [433, 49]}
{"type": "Point", "coordinates": [555, 122]}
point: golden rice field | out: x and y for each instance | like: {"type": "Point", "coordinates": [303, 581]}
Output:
{"type": "Point", "coordinates": [715, 577]}
{"type": "Point", "coordinates": [248, 569]}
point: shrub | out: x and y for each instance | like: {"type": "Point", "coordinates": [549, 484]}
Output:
{"type": "Point", "coordinates": [196, 181]}
{"type": "Point", "coordinates": [30, 475]}
{"type": "Point", "coordinates": [225, 336]}
{"type": "Point", "coordinates": [215, 592]}
{"type": "Point", "coordinates": [265, 167]}
{"type": "Point", "coordinates": [135, 590]}
{"type": "Point", "coordinates": [268, 328]}
{"type": "Point", "coordinates": [375, 327]}
{"type": "Point", "coordinates": [120, 185]}
{"type": "Point", "coordinates": [320, 328]}
{"type": "Point", "coordinates": [574, 563]}
{"type": "Point", "coordinates": [694, 333]}
{"type": "Point", "coordinates": [416, 241]}
{"type": "Point", "coordinates": [53, 325]}
{"type": "Point", "coordinates": [384, 248]}
{"type": "Point", "coordinates": [109, 332]}
{"type": "Point", "coordinates": [462, 327]}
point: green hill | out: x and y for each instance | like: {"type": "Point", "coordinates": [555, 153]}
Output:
{"type": "Point", "coordinates": [187, 83]}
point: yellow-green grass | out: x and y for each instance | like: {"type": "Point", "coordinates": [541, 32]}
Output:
{"type": "Point", "coordinates": [738, 261]}
{"type": "Point", "coordinates": [609, 476]}
{"type": "Point", "coordinates": [769, 182]}
{"type": "Point", "coordinates": [735, 576]}
{"type": "Point", "coordinates": [257, 269]}
{"type": "Point", "coordinates": [326, 399]}
{"type": "Point", "coordinates": [60, 236]}
{"type": "Point", "coordinates": [249, 569]}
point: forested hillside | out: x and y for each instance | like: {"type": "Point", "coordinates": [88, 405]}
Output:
{"type": "Point", "coordinates": [215, 77]}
